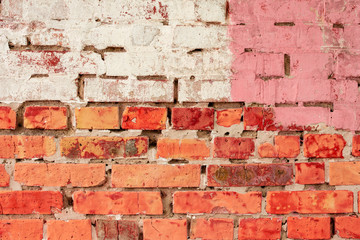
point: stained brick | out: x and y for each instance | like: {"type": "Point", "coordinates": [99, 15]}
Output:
{"type": "Point", "coordinates": [267, 150]}
{"type": "Point", "coordinates": [217, 202]}
{"type": "Point", "coordinates": [228, 117]}
{"type": "Point", "coordinates": [323, 145]}
{"type": "Point", "coordinates": [309, 202]}
{"type": "Point", "coordinates": [259, 228]}
{"type": "Point", "coordinates": [126, 203]}
{"type": "Point", "coordinates": [212, 228]}
{"type": "Point", "coordinates": [4, 177]}
{"type": "Point", "coordinates": [233, 148]}
{"type": "Point", "coordinates": [103, 147]}
{"type": "Point", "coordinates": [287, 146]}
{"type": "Point", "coordinates": [45, 117]}
{"type": "Point", "coordinates": [97, 118]}
{"type": "Point", "coordinates": [192, 118]}
{"type": "Point", "coordinates": [309, 227]}
{"type": "Point", "coordinates": [356, 146]}
{"type": "Point", "coordinates": [29, 202]}
{"type": "Point", "coordinates": [171, 229]}
{"type": "Point", "coordinates": [253, 118]}
{"type": "Point", "coordinates": [145, 118]}
{"type": "Point", "coordinates": [21, 229]}
{"type": "Point", "coordinates": [7, 118]}
{"type": "Point", "coordinates": [72, 229]}
{"type": "Point", "coordinates": [128, 230]}
{"type": "Point", "coordinates": [189, 149]}
{"type": "Point", "coordinates": [310, 173]}
{"type": "Point", "coordinates": [249, 175]}
{"type": "Point", "coordinates": [152, 176]}
{"type": "Point", "coordinates": [114, 230]}
{"type": "Point", "coordinates": [57, 174]}
{"type": "Point", "coordinates": [347, 226]}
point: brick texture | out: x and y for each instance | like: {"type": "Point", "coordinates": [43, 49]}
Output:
{"type": "Point", "coordinates": [168, 119]}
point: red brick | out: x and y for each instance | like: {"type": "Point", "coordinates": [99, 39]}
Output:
{"type": "Point", "coordinates": [29, 202]}
{"type": "Point", "coordinates": [323, 145]}
{"type": "Point", "coordinates": [169, 229]}
{"type": "Point", "coordinates": [57, 174]}
{"type": "Point", "coordinates": [233, 148]}
{"type": "Point", "coordinates": [4, 176]}
{"type": "Point", "coordinates": [310, 173]}
{"type": "Point", "coordinates": [344, 173]}
{"type": "Point", "coordinates": [259, 228]}
{"type": "Point", "coordinates": [228, 117]}
{"type": "Point", "coordinates": [287, 146]}
{"type": "Point", "coordinates": [7, 118]}
{"type": "Point", "coordinates": [12, 229]}
{"type": "Point", "coordinates": [145, 118]}
{"type": "Point", "coordinates": [45, 117]}
{"type": "Point", "coordinates": [356, 146]}
{"type": "Point", "coordinates": [192, 118]}
{"type": "Point", "coordinates": [217, 202]}
{"type": "Point", "coordinates": [153, 176]}
{"type": "Point", "coordinates": [103, 147]}
{"type": "Point", "coordinates": [189, 149]}
{"type": "Point", "coordinates": [114, 230]}
{"type": "Point", "coordinates": [308, 227]}
{"type": "Point", "coordinates": [309, 202]}
{"type": "Point", "coordinates": [253, 118]}
{"type": "Point", "coordinates": [126, 203]}
{"type": "Point", "coordinates": [26, 146]}
{"type": "Point", "coordinates": [72, 229]}
{"type": "Point", "coordinates": [233, 175]}
{"type": "Point", "coordinates": [128, 230]}
{"type": "Point", "coordinates": [97, 118]}
{"type": "Point", "coordinates": [212, 229]}
{"type": "Point", "coordinates": [267, 150]}
{"type": "Point", "coordinates": [106, 229]}
{"type": "Point", "coordinates": [348, 227]}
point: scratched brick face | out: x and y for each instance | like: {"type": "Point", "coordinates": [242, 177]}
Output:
{"type": "Point", "coordinates": [193, 119]}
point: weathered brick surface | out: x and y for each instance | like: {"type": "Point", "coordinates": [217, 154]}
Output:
{"type": "Point", "coordinates": [129, 109]}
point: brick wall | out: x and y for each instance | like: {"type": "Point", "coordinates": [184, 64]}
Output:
{"type": "Point", "coordinates": [179, 119]}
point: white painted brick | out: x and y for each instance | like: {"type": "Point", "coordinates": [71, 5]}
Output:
{"type": "Point", "coordinates": [54, 87]}
{"type": "Point", "coordinates": [129, 90]}
{"type": "Point", "coordinates": [200, 36]}
{"type": "Point", "coordinates": [108, 36]}
{"type": "Point", "coordinates": [211, 10]}
{"type": "Point", "coordinates": [181, 11]}
{"type": "Point", "coordinates": [143, 35]}
{"type": "Point", "coordinates": [117, 64]}
{"type": "Point", "coordinates": [204, 90]}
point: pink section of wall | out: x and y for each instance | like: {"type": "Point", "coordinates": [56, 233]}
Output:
{"type": "Point", "coordinates": [296, 52]}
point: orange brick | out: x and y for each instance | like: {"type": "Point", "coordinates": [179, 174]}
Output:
{"type": "Point", "coordinates": [212, 229]}
{"type": "Point", "coordinates": [324, 145]}
{"type": "Point", "coordinates": [308, 227]}
{"type": "Point", "coordinates": [4, 176]}
{"type": "Point", "coordinates": [7, 118]}
{"type": "Point", "coordinates": [260, 228]}
{"type": "Point", "coordinates": [310, 202]}
{"type": "Point", "coordinates": [65, 230]}
{"type": "Point", "coordinates": [344, 173]}
{"type": "Point", "coordinates": [192, 118]}
{"type": "Point", "coordinates": [310, 173]}
{"type": "Point", "coordinates": [145, 118]}
{"type": "Point", "coordinates": [287, 146]}
{"type": "Point", "coordinates": [103, 147]}
{"type": "Point", "coordinates": [233, 148]}
{"type": "Point", "coordinates": [97, 118]}
{"type": "Point", "coordinates": [152, 176]}
{"type": "Point", "coordinates": [267, 150]}
{"type": "Point", "coordinates": [348, 227]}
{"type": "Point", "coordinates": [11, 229]}
{"type": "Point", "coordinates": [169, 229]}
{"type": "Point", "coordinates": [356, 146]}
{"type": "Point", "coordinates": [29, 202]}
{"type": "Point", "coordinates": [127, 203]}
{"type": "Point", "coordinates": [189, 149]}
{"type": "Point", "coordinates": [56, 174]}
{"type": "Point", "coordinates": [26, 146]}
{"type": "Point", "coordinates": [45, 117]}
{"type": "Point", "coordinates": [228, 117]}
{"type": "Point", "coordinates": [217, 202]}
